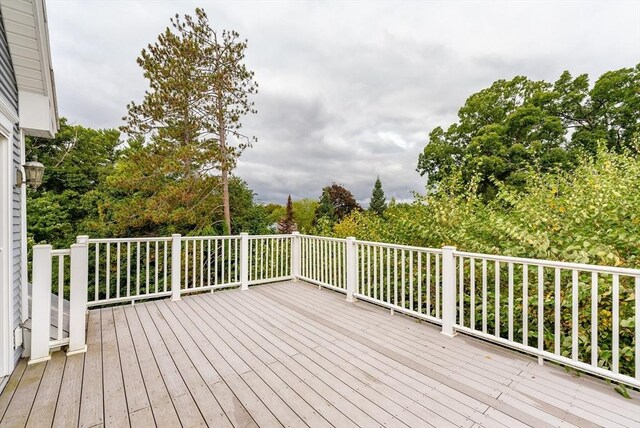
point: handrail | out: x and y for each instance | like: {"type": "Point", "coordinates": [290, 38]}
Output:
{"type": "Point", "coordinates": [553, 264]}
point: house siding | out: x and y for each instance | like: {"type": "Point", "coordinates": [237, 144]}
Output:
{"type": "Point", "coordinates": [9, 91]}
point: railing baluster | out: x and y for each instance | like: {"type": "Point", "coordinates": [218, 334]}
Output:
{"type": "Point", "coordinates": [437, 288]}
{"type": "Point", "coordinates": [97, 273]}
{"type": "Point", "coordinates": [395, 276]}
{"type": "Point", "coordinates": [361, 255]}
{"type": "Point", "coordinates": [164, 268]}
{"type": "Point", "coordinates": [510, 304]}
{"type": "Point", "coordinates": [637, 329]}
{"type": "Point", "coordinates": [411, 280]}
{"type": "Point", "coordinates": [186, 264]}
{"type": "Point", "coordinates": [540, 308]}
{"type": "Point", "coordinates": [194, 264]}
{"type": "Point", "coordinates": [278, 258]}
{"type": "Point", "coordinates": [60, 295]}
{"type": "Point", "coordinates": [375, 272]}
{"type": "Point", "coordinates": [472, 301]}
{"type": "Point", "coordinates": [215, 260]}
{"type": "Point", "coordinates": [223, 242]}
{"type": "Point", "coordinates": [574, 315]}
{"type": "Point", "coordinates": [201, 263]}
{"type": "Point", "coordinates": [485, 296]}
{"type": "Point", "coordinates": [138, 269]}
{"type": "Point", "coordinates": [108, 270]}
{"type": "Point", "coordinates": [336, 264]}
{"type": "Point", "coordinates": [128, 269]}
{"type": "Point", "coordinates": [615, 347]}
{"type": "Point", "coordinates": [147, 267]}
{"type": "Point", "coordinates": [403, 279]}
{"type": "Point", "coordinates": [594, 320]}
{"type": "Point", "coordinates": [419, 282]}
{"type": "Point", "coordinates": [271, 262]}
{"type": "Point", "coordinates": [497, 300]}
{"type": "Point", "coordinates": [208, 262]}
{"type": "Point", "coordinates": [557, 321]}
{"type": "Point", "coordinates": [525, 304]}
{"type": "Point", "coordinates": [388, 275]}
{"type": "Point", "coordinates": [368, 270]}
{"type": "Point", "coordinates": [429, 283]}
{"type": "Point", "coordinates": [156, 264]}
{"type": "Point", "coordinates": [118, 270]}
{"type": "Point", "coordinates": [461, 290]}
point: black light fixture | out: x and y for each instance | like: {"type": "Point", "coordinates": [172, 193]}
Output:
{"type": "Point", "coordinates": [33, 172]}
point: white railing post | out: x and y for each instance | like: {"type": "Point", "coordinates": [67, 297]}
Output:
{"type": "Point", "coordinates": [351, 266]}
{"type": "Point", "coordinates": [78, 298]}
{"type": "Point", "coordinates": [244, 261]}
{"type": "Point", "coordinates": [448, 290]}
{"type": "Point", "coordinates": [176, 266]}
{"type": "Point", "coordinates": [296, 255]}
{"type": "Point", "coordinates": [41, 304]}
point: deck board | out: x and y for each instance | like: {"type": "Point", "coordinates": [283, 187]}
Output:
{"type": "Point", "coordinates": [48, 392]}
{"type": "Point", "coordinates": [92, 403]}
{"type": "Point", "coordinates": [162, 406]}
{"type": "Point", "coordinates": [288, 354]}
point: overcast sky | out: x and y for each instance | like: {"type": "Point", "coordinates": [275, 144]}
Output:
{"type": "Point", "coordinates": [348, 91]}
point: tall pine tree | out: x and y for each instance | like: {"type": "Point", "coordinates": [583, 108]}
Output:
{"type": "Point", "coordinates": [287, 224]}
{"type": "Point", "coordinates": [378, 202]}
{"type": "Point", "coordinates": [188, 123]}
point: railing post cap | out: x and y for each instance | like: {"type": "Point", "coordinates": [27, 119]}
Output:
{"type": "Point", "coordinates": [244, 233]}
{"type": "Point", "coordinates": [175, 235]}
{"type": "Point", "coordinates": [295, 233]}
{"type": "Point", "coordinates": [82, 239]}
{"type": "Point", "coordinates": [351, 238]}
{"type": "Point", "coordinates": [42, 246]}
{"type": "Point", "coordinates": [449, 247]}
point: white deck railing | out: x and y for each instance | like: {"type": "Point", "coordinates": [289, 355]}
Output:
{"type": "Point", "coordinates": [583, 316]}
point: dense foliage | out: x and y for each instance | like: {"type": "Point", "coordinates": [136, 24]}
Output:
{"type": "Point", "coordinates": [520, 124]}
{"type": "Point", "coordinates": [590, 215]}
{"type": "Point", "coordinates": [77, 162]}
{"type": "Point", "coordinates": [95, 186]}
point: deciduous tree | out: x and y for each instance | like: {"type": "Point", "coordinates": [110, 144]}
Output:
{"type": "Point", "coordinates": [520, 125]}
{"type": "Point", "coordinates": [336, 203]}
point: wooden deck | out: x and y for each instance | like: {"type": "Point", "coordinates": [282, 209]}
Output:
{"type": "Point", "coordinates": [288, 354]}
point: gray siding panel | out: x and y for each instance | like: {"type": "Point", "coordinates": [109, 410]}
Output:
{"type": "Point", "coordinates": [17, 238]}
{"type": "Point", "coordinates": [9, 91]}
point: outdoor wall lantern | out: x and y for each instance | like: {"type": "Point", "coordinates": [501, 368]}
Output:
{"type": "Point", "coordinates": [33, 172]}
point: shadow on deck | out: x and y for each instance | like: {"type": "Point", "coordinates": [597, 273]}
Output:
{"type": "Point", "coordinates": [288, 354]}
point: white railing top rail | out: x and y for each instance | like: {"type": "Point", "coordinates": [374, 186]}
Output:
{"type": "Point", "coordinates": [400, 247]}
{"type": "Point", "coordinates": [61, 252]}
{"type": "Point", "coordinates": [282, 235]}
{"type": "Point", "coordinates": [552, 264]}
{"type": "Point", "coordinates": [125, 240]}
{"type": "Point", "coordinates": [209, 238]}
{"type": "Point", "coordinates": [323, 238]}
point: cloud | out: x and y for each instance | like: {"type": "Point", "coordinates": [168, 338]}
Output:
{"type": "Point", "coordinates": [348, 91]}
